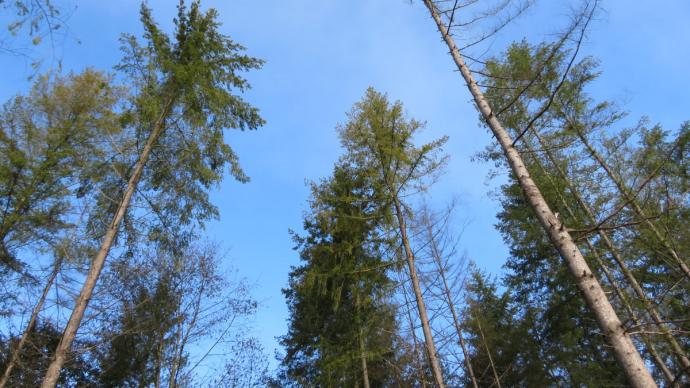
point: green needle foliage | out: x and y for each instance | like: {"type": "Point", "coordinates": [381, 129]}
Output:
{"type": "Point", "coordinates": [189, 83]}
{"type": "Point", "coordinates": [378, 141]}
{"type": "Point", "coordinates": [51, 140]}
{"type": "Point", "coordinates": [341, 290]}
{"type": "Point", "coordinates": [627, 186]}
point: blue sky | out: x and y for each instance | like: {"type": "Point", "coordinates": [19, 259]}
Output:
{"type": "Point", "coordinates": [321, 55]}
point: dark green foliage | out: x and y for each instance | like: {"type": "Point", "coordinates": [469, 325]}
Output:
{"type": "Point", "coordinates": [340, 292]}
{"type": "Point", "coordinates": [189, 84]}
{"type": "Point", "coordinates": [165, 305]}
{"type": "Point", "coordinates": [645, 170]}
{"type": "Point", "coordinates": [497, 326]}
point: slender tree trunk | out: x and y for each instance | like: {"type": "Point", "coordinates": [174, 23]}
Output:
{"type": "Point", "coordinates": [678, 351]}
{"type": "Point", "coordinates": [627, 355]}
{"type": "Point", "coordinates": [630, 199]}
{"type": "Point", "coordinates": [53, 373]}
{"type": "Point", "coordinates": [423, 317]}
{"type": "Point", "coordinates": [30, 326]}
{"type": "Point", "coordinates": [449, 299]}
{"type": "Point", "coordinates": [360, 338]}
{"type": "Point", "coordinates": [497, 379]}
{"type": "Point", "coordinates": [363, 357]}
{"type": "Point", "coordinates": [415, 341]}
{"type": "Point", "coordinates": [159, 361]}
{"type": "Point", "coordinates": [177, 356]}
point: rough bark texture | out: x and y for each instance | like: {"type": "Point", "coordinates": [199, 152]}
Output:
{"type": "Point", "coordinates": [678, 351]}
{"type": "Point", "coordinates": [649, 345]}
{"type": "Point", "coordinates": [53, 373]}
{"type": "Point", "coordinates": [423, 317]}
{"type": "Point", "coordinates": [627, 355]}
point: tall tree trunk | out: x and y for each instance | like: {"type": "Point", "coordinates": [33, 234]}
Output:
{"type": "Point", "coordinates": [651, 349]}
{"type": "Point", "coordinates": [30, 326]}
{"type": "Point", "coordinates": [177, 356]}
{"type": "Point", "coordinates": [449, 300]}
{"type": "Point", "coordinates": [627, 355]}
{"type": "Point", "coordinates": [678, 351]}
{"type": "Point", "coordinates": [630, 199]}
{"type": "Point", "coordinates": [53, 373]}
{"type": "Point", "coordinates": [423, 317]}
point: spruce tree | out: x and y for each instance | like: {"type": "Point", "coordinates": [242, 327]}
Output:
{"type": "Point", "coordinates": [378, 140]}
{"type": "Point", "coordinates": [184, 99]}
{"type": "Point", "coordinates": [341, 321]}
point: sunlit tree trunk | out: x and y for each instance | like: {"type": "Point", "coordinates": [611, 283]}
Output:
{"type": "Point", "coordinates": [627, 355]}
{"type": "Point", "coordinates": [651, 349]}
{"type": "Point", "coordinates": [53, 373]}
{"type": "Point", "coordinates": [678, 351]}
{"type": "Point", "coordinates": [415, 341]}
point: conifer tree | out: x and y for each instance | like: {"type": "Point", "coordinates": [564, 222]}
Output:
{"type": "Point", "coordinates": [183, 102]}
{"type": "Point", "coordinates": [341, 320]}
{"type": "Point", "coordinates": [378, 141]}
{"type": "Point", "coordinates": [52, 142]}
{"type": "Point", "coordinates": [559, 236]}
{"type": "Point", "coordinates": [596, 211]}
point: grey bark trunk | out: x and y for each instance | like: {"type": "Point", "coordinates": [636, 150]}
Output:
{"type": "Point", "coordinates": [627, 355]}
{"type": "Point", "coordinates": [678, 351]}
{"type": "Point", "coordinates": [651, 349]}
{"type": "Point", "coordinates": [423, 317]}
{"type": "Point", "coordinates": [30, 326]}
{"type": "Point", "coordinates": [53, 373]}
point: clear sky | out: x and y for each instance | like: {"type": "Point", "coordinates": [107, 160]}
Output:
{"type": "Point", "coordinates": [321, 55]}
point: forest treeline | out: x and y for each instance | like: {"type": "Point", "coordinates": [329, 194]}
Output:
{"type": "Point", "coordinates": [109, 280]}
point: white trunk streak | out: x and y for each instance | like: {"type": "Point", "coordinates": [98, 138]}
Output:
{"type": "Point", "coordinates": [32, 322]}
{"type": "Point", "coordinates": [630, 199]}
{"type": "Point", "coordinates": [363, 356]}
{"type": "Point", "coordinates": [595, 253]}
{"type": "Point", "coordinates": [360, 338]}
{"type": "Point", "coordinates": [53, 374]}
{"type": "Point", "coordinates": [423, 317]}
{"type": "Point", "coordinates": [627, 355]}
{"type": "Point", "coordinates": [678, 351]}
{"type": "Point", "coordinates": [497, 380]}
{"type": "Point", "coordinates": [449, 299]}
